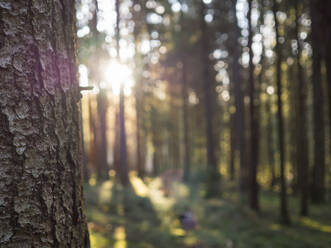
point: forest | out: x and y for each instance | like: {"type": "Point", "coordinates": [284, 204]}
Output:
{"type": "Point", "coordinates": [165, 123]}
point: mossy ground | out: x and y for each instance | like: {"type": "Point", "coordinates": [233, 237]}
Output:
{"type": "Point", "coordinates": [142, 217]}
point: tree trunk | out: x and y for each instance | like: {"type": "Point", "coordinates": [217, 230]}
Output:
{"type": "Point", "coordinates": [138, 91]}
{"type": "Point", "coordinates": [123, 162]}
{"type": "Point", "coordinates": [102, 164]}
{"type": "Point", "coordinates": [240, 108]}
{"type": "Point", "coordinates": [187, 156]}
{"type": "Point", "coordinates": [233, 148]}
{"type": "Point", "coordinates": [270, 142]}
{"type": "Point", "coordinates": [101, 102]}
{"type": "Point", "coordinates": [302, 139]}
{"type": "Point", "coordinates": [253, 195]}
{"type": "Point", "coordinates": [41, 173]}
{"type": "Point", "coordinates": [283, 191]}
{"type": "Point", "coordinates": [327, 25]}
{"type": "Point", "coordinates": [213, 178]}
{"type": "Point", "coordinates": [318, 184]}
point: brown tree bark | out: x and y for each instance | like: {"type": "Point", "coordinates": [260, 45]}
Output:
{"type": "Point", "coordinates": [283, 191]}
{"type": "Point", "coordinates": [41, 196]}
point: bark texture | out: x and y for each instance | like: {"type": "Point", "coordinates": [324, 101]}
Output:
{"type": "Point", "coordinates": [40, 187]}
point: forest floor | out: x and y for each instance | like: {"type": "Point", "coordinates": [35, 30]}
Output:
{"type": "Point", "coordinates": [142, 217]}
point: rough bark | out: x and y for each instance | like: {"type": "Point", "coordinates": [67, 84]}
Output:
{"type": "Point", "coordinates": [318, 183]}
{"type": "Point", "coordinates": [283, 191]}
{"type": "Point", "coordinates": [41, 201]}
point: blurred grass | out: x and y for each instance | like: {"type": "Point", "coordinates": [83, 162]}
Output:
{"type": "Point", "coordinates": [141, 217]}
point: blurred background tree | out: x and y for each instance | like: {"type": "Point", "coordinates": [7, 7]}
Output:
{"type": "Point", "coordinates": [233, 95]}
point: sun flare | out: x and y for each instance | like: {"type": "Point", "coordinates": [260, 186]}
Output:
{"type": "Point", "coordinates": [117, 74]}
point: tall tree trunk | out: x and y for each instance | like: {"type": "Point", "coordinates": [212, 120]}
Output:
{"type": "Point", "coordinates": [140, 166]}
{"type": "Point", "coordinates": [102, 166]}
{"type": "Point", "coordinates": [327, 25]}
{"type": "Point", "coordinates": [187, 155]}
{"type": "Point", "coordinates": [156, 140]}
{"type": "Point", "coordinates": [292, 122]}
{"type": "Point", "coordinates": [92, 159]}
{"type": "Point", "coordinates": [138, 93]}
{"type": "Point", "coordinates": [240, 108]}
{"type": "Point", "coordinates": [213, 178]}
{"type": "Point", "coordinates": [253, 195]}
{"type": "Point", "coordinates": [270, 141]}
{"type": "Point", "coordinates": [283, 191]}
{"type": "Point", "coordinates": [102, 103]}
{"type": "Point", "coordinates": [302, 139]}
{"type": "Point", "coordinates": [233, 148]}
{"type": "Point", "coordinates": [41, 169]}
{"type": "Point", "coordinates": [318, 184]}
{"type": "Point", "coordinates": [123, 163]}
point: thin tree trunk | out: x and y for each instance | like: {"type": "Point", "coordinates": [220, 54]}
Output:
{"type": "Point", "coordinates": [140, 167]}
{"type": "Point", "coordinates": [93, 141]}
{"type": "Point", "coordinates": [327, 25]}
{"type": "Point", "coordinates": [318, 184]}
{"type": "Point", "coordinates": [41, 168]}
{"type": "Point", "coordinates": [187, 156]}
{"type": "Point", "coordinates": [213, 181]}
{"type": "Point", "coordinates": [302, 139]}
{"type": "Point", "coordinates": [233, 148]}
{"type": "Point", "coordinates": [240, 109]}
{"type": "Point", "coordinates": [101, 100]}
{"type": "Point", "coordinates": [138, 95]}
{"type": "Point", "coordinates": [292, 123]}
{"type": "Point", "coordinates": [253, 196]}
{"type": "Point", "coordinates": [102, 164]}
{"type": "Point", "coordinates": [283, 191]}
{"type": "Point", "coordinates": [123, 163]}
{"type": "Point", "coordinates": [270, 142]}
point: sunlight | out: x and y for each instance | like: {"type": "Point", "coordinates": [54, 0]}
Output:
{"type": "Point", "coordinates": [117, 74]}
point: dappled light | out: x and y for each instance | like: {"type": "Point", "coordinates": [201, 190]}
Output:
{"type": "Point", "coordinates": [116, 76]}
